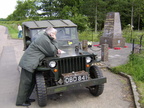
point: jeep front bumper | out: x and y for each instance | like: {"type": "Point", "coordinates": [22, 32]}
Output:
{"type": "Point", "coordinates": [76, 85]}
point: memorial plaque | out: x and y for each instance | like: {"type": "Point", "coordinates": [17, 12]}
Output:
{"type": "Point", "coordinates": [112, 31]}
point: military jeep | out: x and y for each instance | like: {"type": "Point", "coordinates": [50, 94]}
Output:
{"type": "Point", "coordinates": [70, 70]}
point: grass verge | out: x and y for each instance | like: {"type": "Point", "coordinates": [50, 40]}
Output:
{"type": "Point", "coordinates": [135, 68]}
{"type": "Point", "coordinates": [12, 29]}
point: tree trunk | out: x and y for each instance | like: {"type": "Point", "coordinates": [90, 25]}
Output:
{"type": "Point", "coordinates": [138, 22]}
{"type": "Point", "coordinates": [132, 17]}
{"type": "Point", "coordinates": [96, 19]}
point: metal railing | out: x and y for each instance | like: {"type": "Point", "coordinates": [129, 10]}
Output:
{"type": "Point", "coordinates": [137, 45]}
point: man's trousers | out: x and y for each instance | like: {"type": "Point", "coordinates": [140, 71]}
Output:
{"type": "Point", "coordinates": [26, 86]}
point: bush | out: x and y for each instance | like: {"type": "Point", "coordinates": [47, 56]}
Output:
{"type": "Point", "coordinates": [134, 67]}
{"type": "Point", "coordinates": [89, 35]}
{"type": "Point", "coordinates": [130, 34]}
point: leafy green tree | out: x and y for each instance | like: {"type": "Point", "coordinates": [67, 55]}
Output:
{"type": "Point", "coordinates": [138, 9]}
{"type": "Point", "coordinates": [47, 8]}
{"type": "Point", "coordinates": [73, 10]}
{"type": "Point", "coordinates": [24, 9]}
{"type": "Point", "coordinates": [64, 9]}
{"type": "Point", "coordinates": [85, 13]}
{"type": "Point", "coordinates": [81, 21]}
{"type": "Point", "coordinates": [95, 10]}
{"type": "Point", "coordinates": [73, 6]}
{"type": "Point", "coordinates": [3, 19]}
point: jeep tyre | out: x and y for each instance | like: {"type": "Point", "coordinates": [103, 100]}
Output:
{"type": "Point", "coordinates": [41, 90]}
{"type": "Point", "coordinates": [95, 72]}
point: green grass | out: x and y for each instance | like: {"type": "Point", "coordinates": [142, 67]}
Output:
{"type": "Point", "coordinates": [12, 29]}
{"type": "Point", "coordinates": [140, 85]}
{"type": "Point", "coordinates": [135, 68]}
{"type": "Point", "coordinates": [128, 34]}
{"type": "Point", "coordinates": [90, 36]}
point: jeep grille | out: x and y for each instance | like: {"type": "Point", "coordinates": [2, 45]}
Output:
{"type": "Point", "coordinates": [67, 65]}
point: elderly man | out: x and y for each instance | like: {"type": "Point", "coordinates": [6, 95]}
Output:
{"type": "Point", "coordinates": [44, 46]}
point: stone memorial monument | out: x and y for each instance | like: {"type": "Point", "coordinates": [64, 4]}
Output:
{"type": "Point", "coordinates": [112, 31]}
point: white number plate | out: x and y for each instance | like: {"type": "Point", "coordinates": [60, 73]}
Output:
{"type": "Point", "coordinates": [78, 78]}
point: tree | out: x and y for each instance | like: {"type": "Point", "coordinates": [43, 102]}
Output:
{"type": "Point", "coordinates": [85, 13]}
{"type": "Point", "coordinates": [95, 10]}
{"type": "Point", "coordinates": [73, 10]}
{"type": "Point", "coordinates": [137, 10]}
{"type": "Point", "coordinates": [48, 8]}
{"type": "Point", "coordinates": [24, 9]}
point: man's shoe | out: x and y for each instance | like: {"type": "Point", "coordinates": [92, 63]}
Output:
{"type": "Point", "coordinates": [31, 100]}
{"type": "Point", "coordinates": [24, 104]}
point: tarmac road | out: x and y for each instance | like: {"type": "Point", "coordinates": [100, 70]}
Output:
{"type": "Point", "coordinates": [117, 93]}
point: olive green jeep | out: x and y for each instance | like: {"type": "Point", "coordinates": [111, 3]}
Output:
{"type": "Point", "coordinates": [70, 70]}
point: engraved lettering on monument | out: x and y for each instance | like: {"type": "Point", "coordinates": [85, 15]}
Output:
{"type": "Point", "coordinates": [109, 25]}
{"type": "Point", "coordinates": [112, 31]}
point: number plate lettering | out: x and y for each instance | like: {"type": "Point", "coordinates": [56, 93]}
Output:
{"type": "Point", "coordinates": [75, 77]}
{"type": "Point", "coordinates": [72, 79]}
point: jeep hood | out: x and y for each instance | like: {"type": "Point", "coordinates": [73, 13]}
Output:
{"type": "Point", "coordinates": [71, 51]}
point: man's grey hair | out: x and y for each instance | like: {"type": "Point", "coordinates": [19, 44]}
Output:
{"type": "Point", "coordinates": [50, 30]}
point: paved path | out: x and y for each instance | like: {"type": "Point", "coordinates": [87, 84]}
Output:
{"type": "Point", "coordinates": [115, 57]}
{"type": "Point", "coordinates": [116, 94]}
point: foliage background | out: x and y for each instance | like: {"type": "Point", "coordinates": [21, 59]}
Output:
{"type": "Point", "coordinates": [87, 14]}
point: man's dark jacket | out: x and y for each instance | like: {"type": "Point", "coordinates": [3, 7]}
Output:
{"type": "Point", "coordinates": [41, 47]}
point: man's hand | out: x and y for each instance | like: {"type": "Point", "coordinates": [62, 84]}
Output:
{"type": "Point", "coordinates": [59, 51]}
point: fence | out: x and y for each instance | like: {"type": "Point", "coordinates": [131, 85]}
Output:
{"type": "Point", "coordinates": [137, 45]}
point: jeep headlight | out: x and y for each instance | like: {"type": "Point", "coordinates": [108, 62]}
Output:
{"type": "Point", "coordinates": [52, 64]}
{"type": "Point", "coordinates": [88, 59]}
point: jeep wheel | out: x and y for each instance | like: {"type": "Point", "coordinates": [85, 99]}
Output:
{"type": "Point", "coordinates": [41, 90]}
{"type": "Point", "coordinates": [95, 72]}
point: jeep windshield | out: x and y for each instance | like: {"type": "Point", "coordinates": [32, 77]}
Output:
{"type": "Point", "coordinates": [65, 36]}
